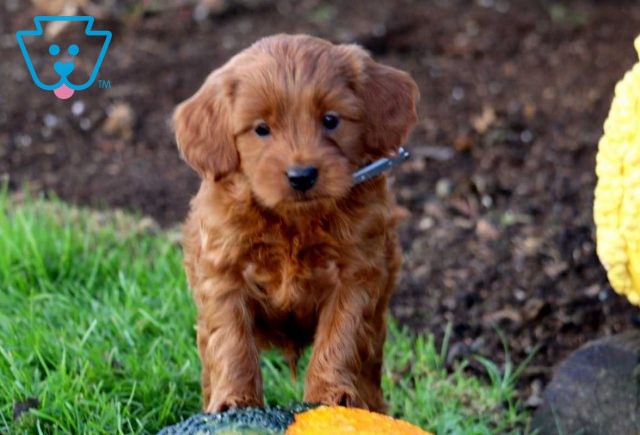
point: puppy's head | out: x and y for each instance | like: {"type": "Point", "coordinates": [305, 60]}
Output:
{"type": "Point", "coordinates": [296, 115]}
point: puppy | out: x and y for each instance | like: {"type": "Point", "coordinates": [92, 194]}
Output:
{"type": "Point", "coordinates": [280, 248]}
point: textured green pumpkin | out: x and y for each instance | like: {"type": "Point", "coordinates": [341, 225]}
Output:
{"type": "Point", "coordinates": [270, 420]}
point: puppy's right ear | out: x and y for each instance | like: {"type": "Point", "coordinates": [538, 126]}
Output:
{"type": "Point", "coordinates": [203, 130]}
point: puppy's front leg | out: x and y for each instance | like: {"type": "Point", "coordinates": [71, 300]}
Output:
{"type": "Point", "coordinates": [230, 361]}
{"type": "Point", "coordinates": [341, 342]}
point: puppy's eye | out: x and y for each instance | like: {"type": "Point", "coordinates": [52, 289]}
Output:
{"type": "Point", "coordinates": [262, 129]}
{"type": "Point", "coordinates": [330, 121]}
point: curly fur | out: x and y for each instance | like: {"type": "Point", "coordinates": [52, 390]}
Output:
{"type": "Point", "coordinates": [271, 266]}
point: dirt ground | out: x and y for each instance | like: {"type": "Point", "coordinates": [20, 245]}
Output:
{"type": "Point", "coordinates": [500, 187]}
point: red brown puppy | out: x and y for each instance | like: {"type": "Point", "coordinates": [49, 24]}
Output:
{"type": "Point", "coordinates": [280, 248]}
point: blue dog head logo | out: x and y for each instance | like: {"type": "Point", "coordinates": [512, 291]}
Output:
{"type": "Point", "coordinates": [63, 88]}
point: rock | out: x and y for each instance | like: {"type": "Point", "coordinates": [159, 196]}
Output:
{"type": "Point", "coordinates": [595, 391]}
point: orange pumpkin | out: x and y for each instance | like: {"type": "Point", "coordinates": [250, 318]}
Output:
{"type": "Point", "coordinates": [338, 420]}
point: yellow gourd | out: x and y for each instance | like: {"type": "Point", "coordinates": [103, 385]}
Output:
{"type": "Point", "coordinates": [617, 194]}
{"type": "Point", "coordinates": [338, 420]}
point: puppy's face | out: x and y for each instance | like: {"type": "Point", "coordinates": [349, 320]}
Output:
{"type": "Point", "coordinates": [296, 115]}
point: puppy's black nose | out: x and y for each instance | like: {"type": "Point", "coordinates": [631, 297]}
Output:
{"type": "Point", "coordinates": [302, 178]}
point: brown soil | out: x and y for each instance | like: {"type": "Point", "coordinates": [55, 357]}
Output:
{"type": "Point", "coordinates": [514, 95]}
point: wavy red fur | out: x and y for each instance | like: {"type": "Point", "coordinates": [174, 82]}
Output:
{"type": "Point", "coordinates": [269, 265]}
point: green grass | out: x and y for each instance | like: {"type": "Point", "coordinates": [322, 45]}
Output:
{"type": "Point", "coordinates": [96, 322]}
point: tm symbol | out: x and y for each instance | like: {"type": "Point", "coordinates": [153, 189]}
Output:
{"type": "Point", "coordinates": [104, 84]}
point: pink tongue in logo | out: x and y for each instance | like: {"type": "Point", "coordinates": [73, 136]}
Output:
{"type": "Point", "coordinates": [63, 92]}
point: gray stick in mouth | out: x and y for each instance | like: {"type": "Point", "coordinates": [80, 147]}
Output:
{"type": "Point", "coordinates": [379, 166]}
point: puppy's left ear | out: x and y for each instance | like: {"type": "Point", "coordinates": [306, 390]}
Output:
{"type": "Point", "coordinates": [390, 97]}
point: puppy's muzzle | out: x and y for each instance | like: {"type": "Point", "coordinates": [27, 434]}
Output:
{"type": "Point", "coordinates": [302, 178]}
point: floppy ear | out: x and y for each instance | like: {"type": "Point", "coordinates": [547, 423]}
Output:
{"type": "Point", "coordinates": [390, 97]}
{"type": "Point", "coordinates": [203, 130]}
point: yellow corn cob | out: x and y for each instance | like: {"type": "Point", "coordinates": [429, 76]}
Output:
{"type": "Point", "coordinates": [338, 420]}
{"type": "Point", "coordinates": [617, 195]}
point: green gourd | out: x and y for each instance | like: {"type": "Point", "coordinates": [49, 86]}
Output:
{"type": "Point", "coordinates": [270, 420]}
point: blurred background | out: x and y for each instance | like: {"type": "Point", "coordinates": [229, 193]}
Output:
{"type": "Point", "coordinates": [500, 187]}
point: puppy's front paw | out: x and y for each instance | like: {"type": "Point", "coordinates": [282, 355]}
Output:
{"type": "Point", "coordinates": [335, 395]}
{"type": "Point", "coordinates": [227, 403]}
